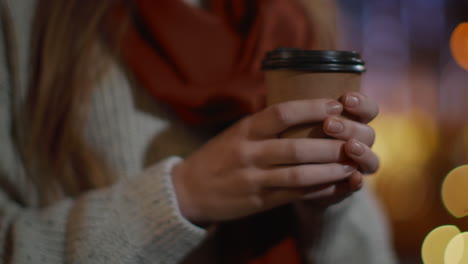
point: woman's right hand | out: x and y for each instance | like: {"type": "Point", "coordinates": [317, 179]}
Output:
{"type": "Point", "coordinates": [248, 169]}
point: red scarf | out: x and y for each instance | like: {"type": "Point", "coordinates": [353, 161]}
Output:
{"type": "Point", "coordinates": [284, 252]}
{"type": "Point", "coordinates": [206, 64]}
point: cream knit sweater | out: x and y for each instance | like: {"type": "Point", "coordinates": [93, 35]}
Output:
{"type": "Point", "coordinates": [136, 220]}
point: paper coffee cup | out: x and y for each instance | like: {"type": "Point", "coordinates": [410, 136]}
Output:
{"type": "Point", "coordinates": [296, 74]}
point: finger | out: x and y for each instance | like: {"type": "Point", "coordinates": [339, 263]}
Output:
{"type": "Point", "coordinates": [337, 192]}
{"type": "Point", "coordinates": [360, 106]}
{"type": "Point", "coordinates": [277, 118]}
{"type": "Point", "coordinates": [362, 155]}
{"type": "Point", "coordinates": [285, 151]}
{"type": "Point", "coordinates": [305, 175]}
{"type": "Point", "coordinates": [325, 194]}
{"type": "Point", "coordinates": [278, 196]}
{"type": "Point", "coordinates": [355, 181]}
{"type": "Point", "coordinates": [345, 129]}
{"type": "Point", "coordinates": [334, 191]}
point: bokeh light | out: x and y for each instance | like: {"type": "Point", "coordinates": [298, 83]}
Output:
{"type": "Point", "coordinates": [457, 250]}
{"type": "Point", "coordinates": [454, 192]}
{"type": "Point", "coordinates": [435, 243]}
{"type": "Point", "coordinates": [459, 45]}
{"type": "Point", "coordinates": [405, 145]}
{"type": "Point", "coordinates": [465, 142]}
{"type": "Point", "coordinates": [422, 132]}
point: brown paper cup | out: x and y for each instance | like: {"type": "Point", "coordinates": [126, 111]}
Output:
{"type": "Point", "coordinates": [299, 76]}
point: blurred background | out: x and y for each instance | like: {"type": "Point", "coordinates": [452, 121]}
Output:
{"type": "Point", "coordinates": [423, 127]}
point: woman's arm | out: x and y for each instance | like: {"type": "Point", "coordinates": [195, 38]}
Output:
{"type": "Point", "coordinates": [134, 221]}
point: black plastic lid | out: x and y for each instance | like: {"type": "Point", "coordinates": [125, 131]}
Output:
{"type": "Point", "coordinates": [314, 60]}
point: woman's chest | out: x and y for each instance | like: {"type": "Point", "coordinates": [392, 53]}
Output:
{"type": "Point", "coordinates": [131, 129]}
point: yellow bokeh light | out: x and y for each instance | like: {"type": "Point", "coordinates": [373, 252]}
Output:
{"type": "Point", "coordinates": [454, 192]}
{"type": "Point", "coordinates": [465, 142]}
{"type": "Point", "coordinates": [435, 243]}
{"type": "Point", "coordinates": [405, 145]}
{"type": "Point", "coordinates": [456, 251]}
{"type": "Point", "coordinates": [459, 45]}
{"type": "Point", "coordinates": [405, 141]}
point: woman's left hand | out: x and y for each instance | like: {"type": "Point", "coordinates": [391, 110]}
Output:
{"type": "Point", "coordinates": [359, 137]}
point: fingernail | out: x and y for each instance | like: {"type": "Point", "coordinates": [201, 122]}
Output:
{"type": "Point", "coordinates": [351, 101]}
{"type": "Point", "coordinates": [334, 108]}
{"type": "Point", "coordinates": [357, 149]}
{"type": "Point", "coordinates": [335, 126]}
{"type": "Point", "coordinates": [349, 169]}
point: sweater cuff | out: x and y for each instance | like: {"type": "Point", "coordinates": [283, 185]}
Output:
{"type": "Point", "coordinates": [151, 218]}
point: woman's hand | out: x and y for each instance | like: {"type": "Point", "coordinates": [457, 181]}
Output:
{"type": "Point", "coordinates": [248, 169]}
{"type": "Point", "coordinates": [359, 135]}
{"type": "Point", "coordinates": [359, 138]}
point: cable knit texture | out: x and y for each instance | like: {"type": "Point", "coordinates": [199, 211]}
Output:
{"type": "Point", "coordinates": [137, 220]}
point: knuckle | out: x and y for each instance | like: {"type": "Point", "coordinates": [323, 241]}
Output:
{"type": "Point", "coordinates": [245, 126]}
{"type": "Point", "coordinates": [295, 176]}
{"type": "Point", "coordinates": [244, 154]}
{"type": "Point", "coordinates": [257, 153]}
{"type": "Point", "coordinates": [251, 182]}
{"type": "Point", "coordinates": [281, 114]}
{"type": "Point", "coordinates": [256, 201]}
{"type": "Point", "coordinates": [295, 151]}
{"type": "Point", "coordinates": [249, 179]}
{"type": "Point", "coordinates": [252, 127]}
{"type": "Point", "coordinates": [237, 153]}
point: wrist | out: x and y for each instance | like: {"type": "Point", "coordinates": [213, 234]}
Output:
{"type": "Point", "coordinates": [185, 201]}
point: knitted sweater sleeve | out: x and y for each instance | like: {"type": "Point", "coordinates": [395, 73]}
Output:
{"type": "Point", "coordinates": [134, 221]}
{"type": "Point", "coordinates": [354, 231]}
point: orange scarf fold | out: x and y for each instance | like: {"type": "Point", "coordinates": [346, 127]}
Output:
{"type": "Point", "coordinates": [206, 63]}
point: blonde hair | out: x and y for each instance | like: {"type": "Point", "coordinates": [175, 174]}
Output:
{"type": "Point", "coordinates": [58, 158]}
